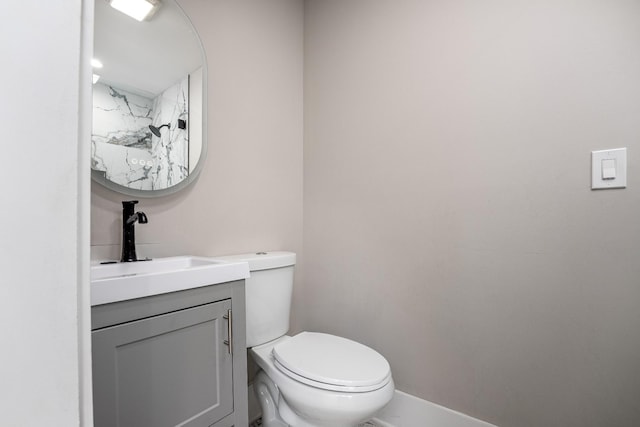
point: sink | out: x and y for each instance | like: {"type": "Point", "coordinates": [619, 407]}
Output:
{"type": "Point", "coordinates": [121, 281]}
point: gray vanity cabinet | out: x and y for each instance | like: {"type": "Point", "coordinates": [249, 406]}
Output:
{"type": "Point", "coordinates": [173, 363]}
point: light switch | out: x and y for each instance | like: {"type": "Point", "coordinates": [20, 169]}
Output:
{"type": "Point", "coordinates": [609, 168]}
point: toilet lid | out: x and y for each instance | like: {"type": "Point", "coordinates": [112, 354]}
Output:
{"type": "Point", "coordinates": [332, 362]}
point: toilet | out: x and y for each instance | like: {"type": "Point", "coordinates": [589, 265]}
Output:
{"type": "Point", "coordinates": [310, 379]}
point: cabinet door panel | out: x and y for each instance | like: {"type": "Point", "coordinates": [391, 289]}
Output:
{"type": "Point", "coordinates": [167, 370]}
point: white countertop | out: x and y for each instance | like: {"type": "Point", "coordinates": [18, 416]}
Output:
{"type": "Point", "coordinates": [113, 282]}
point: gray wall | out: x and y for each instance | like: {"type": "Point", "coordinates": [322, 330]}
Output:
{"type": "Point", "coordinates": [249, 195]}
{"type": "Point", "coordinates": [448, 219]}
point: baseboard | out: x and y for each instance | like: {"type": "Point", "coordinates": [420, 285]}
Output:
{"type": "Point", "coordinates": [406, 410]}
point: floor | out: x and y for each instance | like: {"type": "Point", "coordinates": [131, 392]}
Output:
{"type": "Point", "coordinates": [258, 423]}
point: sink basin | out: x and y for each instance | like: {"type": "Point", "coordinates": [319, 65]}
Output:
{"type": "Point", "coordinates": [128, 280]}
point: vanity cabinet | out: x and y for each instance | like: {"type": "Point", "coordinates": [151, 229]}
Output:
{"type": "Point", "coordinates": [176, 359]}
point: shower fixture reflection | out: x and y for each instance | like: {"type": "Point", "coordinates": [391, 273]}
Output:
{"type": "Point", "coordinates": [156, 130]}
{"type": "Point", "coordinates": [182, 124]}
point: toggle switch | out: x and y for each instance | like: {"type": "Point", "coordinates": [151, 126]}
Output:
{"type": "Point", "coordinates": [609, 169]}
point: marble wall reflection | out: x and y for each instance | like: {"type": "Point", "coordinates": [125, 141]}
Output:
{"type": "Point", "coordinates": [122, 145]}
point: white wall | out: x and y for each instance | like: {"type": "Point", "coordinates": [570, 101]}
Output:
{"type": "Point", "coordinates": [448, 219]}
{"type": "Point", "coordinates": [44, 227]}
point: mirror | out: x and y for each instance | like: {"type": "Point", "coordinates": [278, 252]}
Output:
{"type": "Point", "coordinates": [149, 103]}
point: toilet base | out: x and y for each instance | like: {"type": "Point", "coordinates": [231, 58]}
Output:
{"type": "Point", "coordinates": [268, 396]}
{"type": "Point", "coordinates": [275, 409]}
{"type": "Point", "coordinates": [276, 412]}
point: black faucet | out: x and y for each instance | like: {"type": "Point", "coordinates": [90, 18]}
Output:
{"type": "Point", "coordinates": [129, 219]}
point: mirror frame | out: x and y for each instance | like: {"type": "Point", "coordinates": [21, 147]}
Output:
{"type": "Point", "coordinates": [100, 177]}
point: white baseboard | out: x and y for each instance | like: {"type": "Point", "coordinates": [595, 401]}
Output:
{"type": "Point", "coordinates": [406, 410]}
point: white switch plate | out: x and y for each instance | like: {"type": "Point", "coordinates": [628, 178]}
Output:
{"type": "Point", "coordinates": [619, 155]}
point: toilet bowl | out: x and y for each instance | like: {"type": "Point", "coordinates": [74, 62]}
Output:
{"type": "Point", "coordinates": [342, 386]}
{"type": "Point", "coordinates": [310, 379]}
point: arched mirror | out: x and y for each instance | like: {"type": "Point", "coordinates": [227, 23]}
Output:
{"type": "Point", "coordinates": [149, 103]}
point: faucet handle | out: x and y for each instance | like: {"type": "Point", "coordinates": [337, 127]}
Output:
{"type": "Point", "coordinates": [138, 216]}
{"type": "Point", "coordinates": [129, 203]}
{"type": "Point", "coordinates": [142, 217]}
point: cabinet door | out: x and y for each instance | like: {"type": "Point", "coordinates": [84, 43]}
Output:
{"type": "Point", "coordinates": [168, 370]}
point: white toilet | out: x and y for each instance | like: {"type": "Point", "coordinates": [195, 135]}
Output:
{"type": "Point", "coordinates": [310, 379]}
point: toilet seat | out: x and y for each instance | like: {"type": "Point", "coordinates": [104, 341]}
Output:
{"type": "Point", "coordinates": [331, 363]}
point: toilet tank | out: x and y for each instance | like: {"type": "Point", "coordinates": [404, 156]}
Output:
{"type": "Point", "coordinates": [268, 294]}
